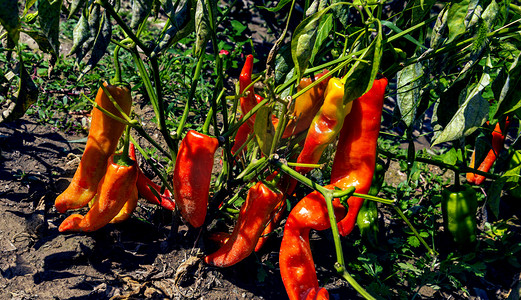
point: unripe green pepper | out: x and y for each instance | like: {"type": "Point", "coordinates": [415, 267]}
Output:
{"type": "Point", "coordinates": [367, 219]}
{"type": "Point", "coordinates": [459, 206]}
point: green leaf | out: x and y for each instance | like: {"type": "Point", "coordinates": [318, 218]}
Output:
{"type": "Point", "coordinates": [264, 129]}
{"type": "Point", "coordinates": [303, 41]}
{"type": "Point", "coordinates": [49, 20]}
{"type": "Point", "coordinates": [202, 27]}
{"type": "Point", "coordinates": [359, 78]}
{"type": "Point", "coordinates": [9, 18]}
{"type": "Point", "coordinates": [41, 40]}
{"type": "Point", "coordinates": [323, 33]}
{"type": "Point", "coordinates": [470, 115]}
{"type": "Point", "coordinates": [494, 193]}
{"type": "Point", "coordinates": [75, 7]}
{"type": "Point", "coordinates": [80, 33]}
{"type": "Point", "coordinates": [141, 9]}
{"type": "Point", "coordinates": [181, 15]}
{"type": "Point", "coordinates": [101, 43]}
{"type": "Point", "coordinates": [409, 82]}
{"type": "Point", "coordinates": [456, 16]}
{"type": "Point", "coordinates": [509, 96]}
{"type": "Point", "coordinates": [279, 6]}
{"type": "Point", "coordinates": [407, 36]}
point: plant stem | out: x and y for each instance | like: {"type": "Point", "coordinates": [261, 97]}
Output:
{"type": "Point", "coordinates": [124, 26]}
{"type": "Point", "coordinates": [429, 249]}
{"type": "Point", "coordinates": [189, 101]}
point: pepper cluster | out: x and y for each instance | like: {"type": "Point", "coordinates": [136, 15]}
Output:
{"type": "Point", "coordinates": [110, 183]}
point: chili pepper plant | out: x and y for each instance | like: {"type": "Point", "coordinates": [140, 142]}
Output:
{"type": "Point", "coordinates": [357, 125]}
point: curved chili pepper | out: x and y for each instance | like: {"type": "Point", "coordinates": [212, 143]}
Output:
{"type": "Point", "coordinates": [114, 190]}
{"type": "Point", "coordinates": [241, 137]}
{"type": "Point", "coordinates": [145, 186]}
{"type": "Point", "coordinates": [297, 267]}
{"type": "Point", "coordinates": [192, 176]}
{"type": "Point", "coordinates": [306, 106]}
{"type": "Point", "coordinates": [325, 126]}
{"type": "Point", "coordinates": [103, 138]}
{"type": "Point", "coordinates": [253, 216]}
{"type": "Point", "coordinates": [498, 139]}
{"type": "Point", "coordinates": [355, 156]}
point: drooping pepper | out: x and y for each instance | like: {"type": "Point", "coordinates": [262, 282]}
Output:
{"type": "Point", "coordinates": [145, 186]}
{"type": "Point", "coordinates": [103, 138]}
{"type": "Point", "coordinates": [325, 126]}
{"type": "Point", "coordinates": [355, 156]}
{"type": "Point", "coordinates": [459, 206]}
{"type": "Point", "coordinates": [253, 216]}
{"type": "Point", "coordinates": [296, 263]}
{"type": "Point", "coordinates": [498, 139]}
{"type": "Point", "coordinates": [192, 176]}
{"type": "Point", "coordinates": [116, 188]}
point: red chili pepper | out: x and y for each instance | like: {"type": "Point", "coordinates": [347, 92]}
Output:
{"type": "Point", "coordinates": [274, 219]}
{"type": "Point", "coordinates": [248, 102]}
{"type": "Point", "coordinates": [192, 176]}
{"type": "Point", "coordinates": [253, 216]}
{"type": "Point", "coordinates": [145, 186]}
{"type": "Point", "coordinates": [103, 138]}
{"type": "Point", "coordinates": [296, 263]}
{"type": "Point", "coordinates": [355, 156]}
{"type": "Point", "coordinates": [498, 139]}
{"type": "Point", "coordinates": [117, 186]}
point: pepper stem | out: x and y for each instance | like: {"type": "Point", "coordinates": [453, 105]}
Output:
{"type": "Point", "coordinates": [123, 159]}
{"type": "Point", "coordinates": [117, 66]}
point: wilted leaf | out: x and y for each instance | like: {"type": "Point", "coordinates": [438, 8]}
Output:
{"type": "Point", "coordinates": [80, 33]}
{"type": "Point", "coordinates": [506, 89]}
{"type": "Point", "coordinates": [140, 10]}
{"type": "Point", "coordinates": [409, 88]}
{"type": "Point", "coordinates": [101, 43]}
{"type": "Point", "coordinates": [25, 96]}
{"type": "Point", "coordinates": [202, 27]}
{"type": "Point", "coordinates": [181, 22]}
{"type": "Point", "coordinates": [75, 7]}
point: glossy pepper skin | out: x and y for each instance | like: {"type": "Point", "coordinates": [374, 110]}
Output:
{"type": "Point", "coordinates": [498, 139]}
{"type": "Point", "coordinates": [459, 207]}
{"type": "Point", "coordinates": [355, 156]}
{"type": "Point", "coordinates": [296, 263]}
{"type": "Point", "coordinates": [103, 138]}
{"type": "Point", "coordinates": [325, 126]}
{"type": "Point", "coordinates": [117, 186]}
{"type": "Point", "coordinates": [306, 106]}
{"type": "Point", "coordinates": [192, 176]}
{"type": "Point", "coordinates": [145, 186]}
{"type": "Point", "coordinates": [247, 102]}
{"type": "Point", "coordinates": [253, 216]}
